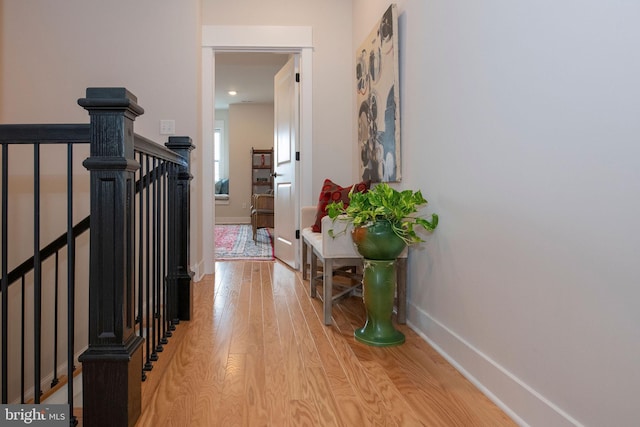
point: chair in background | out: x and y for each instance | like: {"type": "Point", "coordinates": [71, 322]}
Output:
{"type": "Point", "coordinates": [261, 212]}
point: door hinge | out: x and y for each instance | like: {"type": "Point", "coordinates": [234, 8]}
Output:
{"type": "Point", "coordinates": [298, 234]}
{"type": "Point", "coordinates": [297, 77]}
{"type": "Point", "coordinates": [297, 155]}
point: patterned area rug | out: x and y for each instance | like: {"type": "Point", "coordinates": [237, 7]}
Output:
{"type": "Point", "coordinates": [235, 242]}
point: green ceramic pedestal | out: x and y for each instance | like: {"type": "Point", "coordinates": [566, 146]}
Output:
{"type": "Point", "coordinates": [378, 287]}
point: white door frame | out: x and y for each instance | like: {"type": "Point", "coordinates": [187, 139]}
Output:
{"type": "Point", "coordinates": [237, 38]}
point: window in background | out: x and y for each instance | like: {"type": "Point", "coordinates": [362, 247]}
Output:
{"type": "Point", "coordinates": [221, 161]}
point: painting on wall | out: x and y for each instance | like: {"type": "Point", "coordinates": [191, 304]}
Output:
{"type": "Point", "coordinates": [378, 101]}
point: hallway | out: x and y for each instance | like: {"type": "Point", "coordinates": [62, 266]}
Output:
{"type": "Point", "coordinates": [257, 353]}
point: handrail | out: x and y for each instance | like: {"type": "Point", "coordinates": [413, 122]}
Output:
{"type": "Point", "coordinates": [73, 133]}
{"type": "Point", "coordinates": [147, 146]}
{"type": "Point", "coordinates": [60, 242]}
{"type": "Point", "coordinates": [44, 133]}
{"type": "Point", "coordinates": [139, 278]}
{"type": "Point", "coordinates": [55, 133]}
{"type": "Point", "coordinates": [48, 251]}
{"type": "Point", "coordinates": [77, 133]}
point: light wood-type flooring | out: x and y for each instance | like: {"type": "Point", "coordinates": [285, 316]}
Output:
{"type": "Point", "coordinates": [258, 354]}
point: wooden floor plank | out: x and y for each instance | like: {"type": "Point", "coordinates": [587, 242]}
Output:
{"type": "Point", "coordinates": [231, 410]}
{"type": "Point", "coordinates": [351, 411]}
{"type": "Point", "coordinates": [258, 354]}
{"type": "Point", "coordinates": [277, 393]}
{"type": "Point", "coordinates": [303, 414]}
{"type": "Point", "coordinates": [304, 339]}
{"type": "Point", "coordinates": [296, 377]}
{"type": "Point", "coordinates": [328, 411]}
{"type": "Point", "coordinates": [374, 407]}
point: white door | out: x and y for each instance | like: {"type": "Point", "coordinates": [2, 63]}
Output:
{"type": "Point", "coordinates": [284, 171]}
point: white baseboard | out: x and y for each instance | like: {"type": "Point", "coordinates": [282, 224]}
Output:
{"type": "Point", "coordinates": [60, 397]}
{"type": "Point", "coordinates": [198, 271]}
{"type": "Point", "coordinates": [45, 384]}
{"type": "Point", "coordinates": [517, 399]}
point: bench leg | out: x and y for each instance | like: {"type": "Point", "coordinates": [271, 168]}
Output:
{"type": "Point", "coordinates": [401, 281]}
{"type": "Point", "coordinates": [313, 274]}
{"type": "Point", "coordinates": [305, 268]}
{"type": "Point", "coordinates": [327, 290]}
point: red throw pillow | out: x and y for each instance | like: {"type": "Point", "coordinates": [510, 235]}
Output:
{"type": "Point", "coordinates": [332, 192]}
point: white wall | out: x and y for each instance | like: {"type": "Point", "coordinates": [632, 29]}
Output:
{"type": "Point", "coordinates": [51, 52]}
{"type": "Point", "coordinates": [520, 125]}
{"type": "Point", "coordinates": [331, 24]}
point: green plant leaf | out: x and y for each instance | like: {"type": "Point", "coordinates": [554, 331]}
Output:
{"type": "Point", "coordinates": [386, 203]}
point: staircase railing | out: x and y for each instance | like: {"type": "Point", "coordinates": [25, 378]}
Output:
{"type": "Point", "coordinates": [22, 332]}
{"type": "Point", "coordinates": [139, 283]}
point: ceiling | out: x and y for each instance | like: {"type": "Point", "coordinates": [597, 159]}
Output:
{"type": "Point", "coordinates": [249, 73]}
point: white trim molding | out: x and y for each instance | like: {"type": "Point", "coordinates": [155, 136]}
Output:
{"type": "Point", "coordinates": [517, 399]}
{"type": "Point", "coordinates": [236, 38]}
{"type": "Point", "coordinates": [242, 37]}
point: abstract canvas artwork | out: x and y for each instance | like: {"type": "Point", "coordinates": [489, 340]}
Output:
{"type": "Point", "coordinates": [378, 101]}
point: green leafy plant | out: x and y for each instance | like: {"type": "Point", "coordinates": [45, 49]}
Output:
{"type": "Point", "coordinates": [388, 204]}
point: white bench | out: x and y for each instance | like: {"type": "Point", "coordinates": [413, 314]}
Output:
{"type": "Point", "coordinates": [339, 256]}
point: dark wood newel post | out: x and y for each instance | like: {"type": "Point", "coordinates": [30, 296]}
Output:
{"type": "Point", "coordinates": [112, 365]}
{"type": "Point", "coordinates": [179, 275]}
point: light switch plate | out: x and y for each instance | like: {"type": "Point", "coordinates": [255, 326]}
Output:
{"type": "Point", "coordinates": [167, 127]}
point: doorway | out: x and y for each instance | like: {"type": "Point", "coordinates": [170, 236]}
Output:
{"type": "Point", "coordinates": [244, 102]}
{"type": "Point", "coordinates": [293, 40]}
